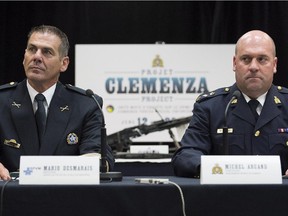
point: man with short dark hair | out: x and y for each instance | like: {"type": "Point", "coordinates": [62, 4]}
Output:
{"type": "Point", "coordinates": [66, 120]}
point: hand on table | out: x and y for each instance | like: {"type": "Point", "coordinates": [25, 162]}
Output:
{"type": "Point", "coordinates": [4, 173]}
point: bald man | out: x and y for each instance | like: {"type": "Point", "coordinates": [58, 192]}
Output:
{"type": "Point", "coordinates": [262, 130]}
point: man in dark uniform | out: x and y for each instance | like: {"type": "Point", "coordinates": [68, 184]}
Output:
{"type": "Point", "coordinates": [72, 121]}
{"type": "Point", "coordinates": [254, 64]}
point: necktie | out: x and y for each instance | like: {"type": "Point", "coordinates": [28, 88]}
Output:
{"type": "Point", "coordinates": [40, 115]}
{"type": "Point", "coordinates": [253, 104]}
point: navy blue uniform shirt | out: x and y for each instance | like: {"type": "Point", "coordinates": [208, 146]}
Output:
{"type": "Point", "coordinates": [72, 127]}
{"type": "Point", "coordinates": [267, 136]}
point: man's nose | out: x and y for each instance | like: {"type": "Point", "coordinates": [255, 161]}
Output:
{"type": "Point", "coordinates": [254, 65]}
{"type": "Point", "coordinates": [37, 56]}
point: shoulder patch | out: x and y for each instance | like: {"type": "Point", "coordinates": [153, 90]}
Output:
{"type": "Point", "coordinates": [75, 89]}
{"type": "Point", "coordinates": [282, 89]}
{"type": "Point", "coordinates": [212, 94]}
{"type": "Point", "coordinates": [8, 85]}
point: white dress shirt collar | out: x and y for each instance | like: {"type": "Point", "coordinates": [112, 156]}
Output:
{"type": "Point", "coordinates": [261, 100]}
{"type": "Point", "coordinates": [48, 94]}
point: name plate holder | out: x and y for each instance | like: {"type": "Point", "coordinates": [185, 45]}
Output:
{"type": "Point", "coordinates": [59, 170]}
{"type": "Point", "coordinates": [228, 169]}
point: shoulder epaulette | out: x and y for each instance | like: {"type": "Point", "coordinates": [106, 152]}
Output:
{"type": "Point", "coordinates": [217, 92]}
{"type": "Point", "coordinates": [75, 89]}
{"type": "Point", "coordinates": [282, 89]}
{"type": "Point", "coordinates": [8, 85]}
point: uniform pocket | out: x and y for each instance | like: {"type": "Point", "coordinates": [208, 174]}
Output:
{"type": "Point", "coordinates": [278, 142]}
{"type": "Point", "coordinates": [235, 142]}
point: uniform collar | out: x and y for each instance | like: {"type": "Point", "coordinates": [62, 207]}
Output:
{"type": "Point", "coordinates": [261, 98]}
{"type": "Point", "coordinates": [48, 93]}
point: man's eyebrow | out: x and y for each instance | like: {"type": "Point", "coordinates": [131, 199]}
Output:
{"type": "Point", "coordinates": [30, 44]}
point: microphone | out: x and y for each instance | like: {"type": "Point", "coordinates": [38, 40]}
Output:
{"type": "Point", "coordinates": [235, 95]}
{"type": "Point", "coordinates": [170, 131]}
{"type": "Point", "coordinates": [104, 175]}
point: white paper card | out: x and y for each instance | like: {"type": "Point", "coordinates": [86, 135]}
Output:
{"type": "Point", "coordinates": [240, 170]}
{"type": "Point", "coordinates": [54, 170]}
{"type": "Point", "coordinates": [149, 149]}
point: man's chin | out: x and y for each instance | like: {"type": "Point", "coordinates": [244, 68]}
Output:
{"type": "Point", "coordinates": [35, 79]}
{"type": "Point", "coordinates": [254, 84]}
{"type": "Point", "coordinates": [34, 75]}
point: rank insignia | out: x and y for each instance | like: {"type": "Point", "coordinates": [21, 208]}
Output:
{"type": "Point", "coordinates": [234, 101]}
{"type": "Point", "coordinates": [220, 130]}
{"type": "Point", "coordinates": [16, 104]}
{"type": "Point", "coordinates": [277, 100]}
{"type": "Point", "coordinates": [12, 143]}
{"type": "Point", "coordinates": [72, 139]}
{"type": "Point", "coordinates": [66, 108]}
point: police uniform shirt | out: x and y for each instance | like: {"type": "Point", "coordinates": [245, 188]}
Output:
{"type": "Point", "coordinates": [269, 135]}
{"type": "Point", "coordinates": [72, 128]}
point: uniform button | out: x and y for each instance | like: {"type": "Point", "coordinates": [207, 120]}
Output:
{"type": "Point", "coordinates": [257, 133]}
{"type": "Point", "coordinates": [286, 143]}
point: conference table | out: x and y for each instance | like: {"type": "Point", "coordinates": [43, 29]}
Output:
{"type": "Point", "coordinates": [128, 197]}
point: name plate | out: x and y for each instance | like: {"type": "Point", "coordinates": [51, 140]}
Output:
{"type": "Point", "coordinates": [54, 170]}
{"type": "Point", "coordinates": [240, 170]}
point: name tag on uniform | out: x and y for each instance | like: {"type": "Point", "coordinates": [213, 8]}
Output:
{"type": "Point", "coordinates": [228, 169]}
{"type": "Point", "coordinates": [54, 170]}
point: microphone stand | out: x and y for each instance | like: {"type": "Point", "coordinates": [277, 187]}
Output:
{"type": "Point", "coordinates": [225, 140]}
{"type": "Point", "coordinates": [104, 174]}
{"type": "Point", "coordinates": [225, 150]}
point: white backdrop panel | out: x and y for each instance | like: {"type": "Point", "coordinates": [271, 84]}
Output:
{"type": "Point", "coordinates": [136, 80]}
